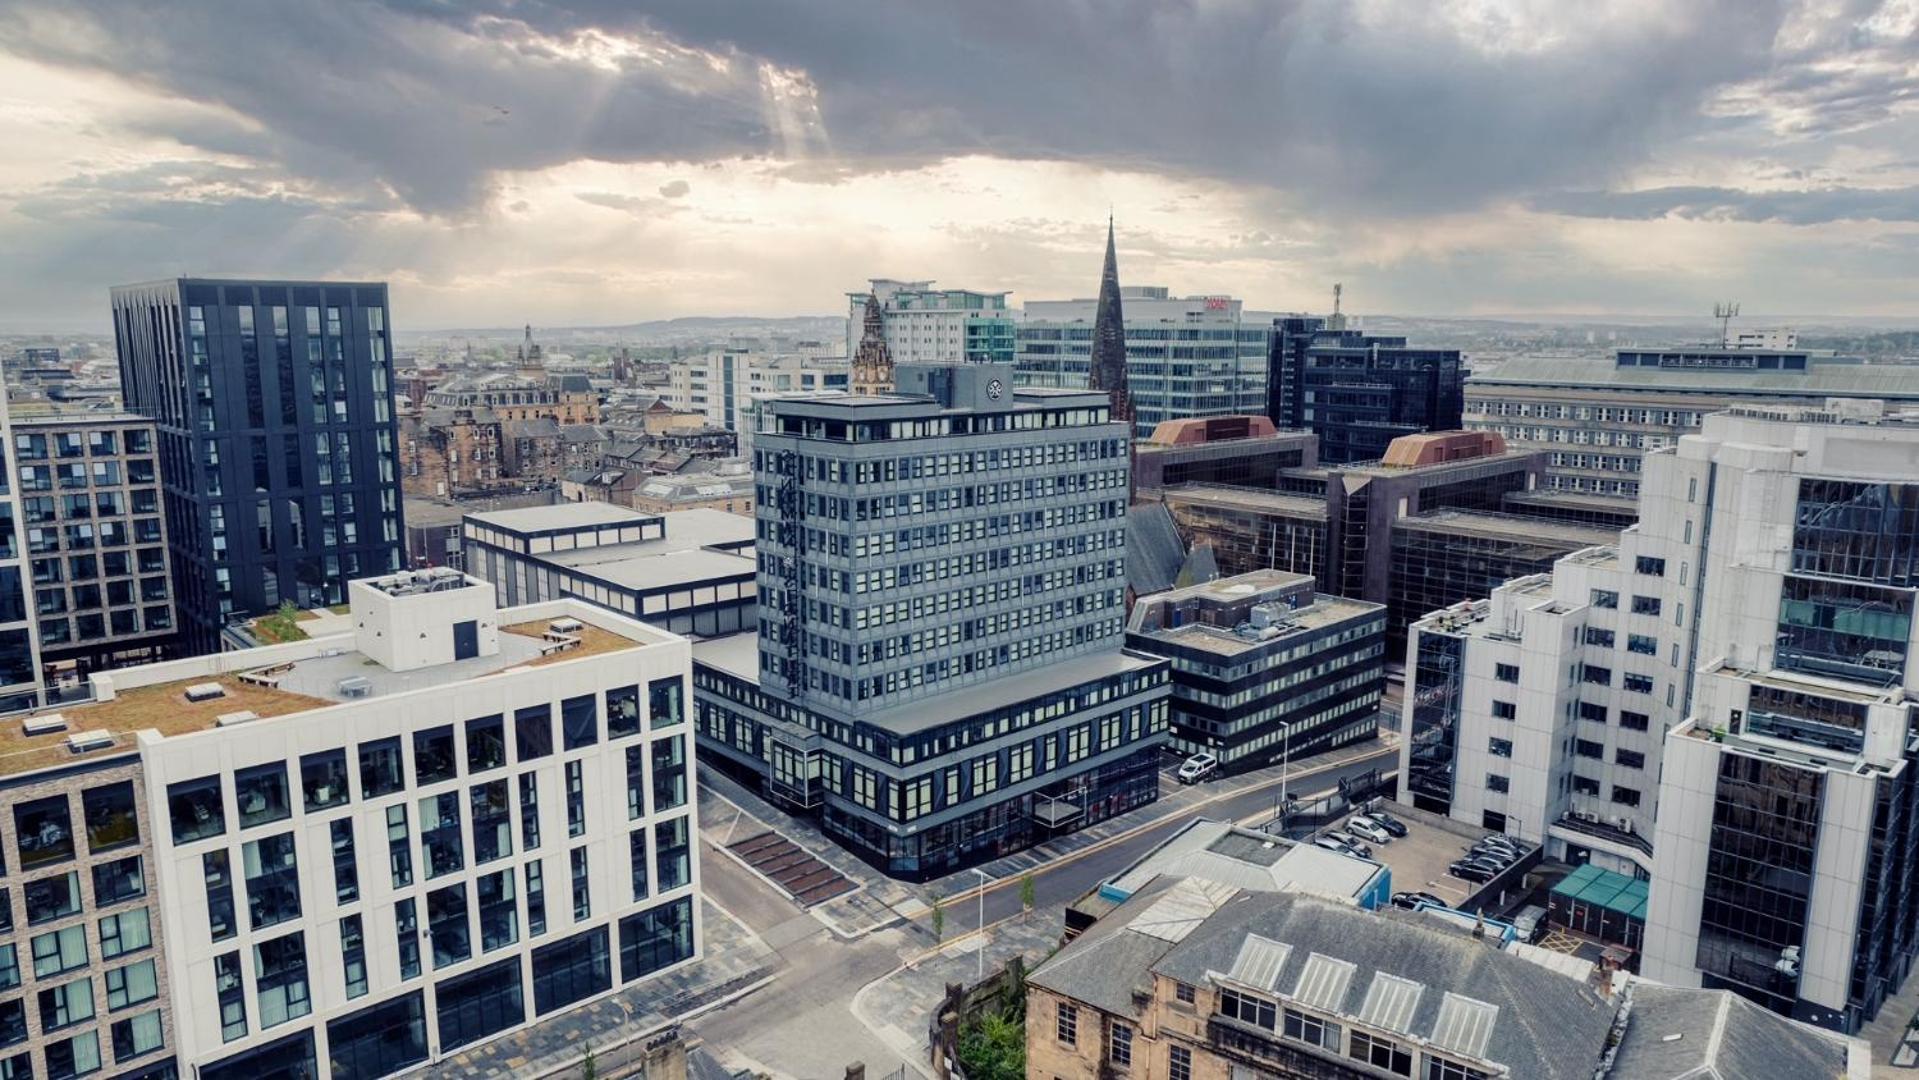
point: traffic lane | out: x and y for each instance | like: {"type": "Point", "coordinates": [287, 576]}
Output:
{"type": "Point", "coordinates": [1066, 880]}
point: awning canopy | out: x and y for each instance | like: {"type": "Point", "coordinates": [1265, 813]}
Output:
{"type": "Point", "coordinates": [1603, 888]}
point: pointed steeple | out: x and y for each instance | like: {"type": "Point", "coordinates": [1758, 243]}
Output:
{"type": "Point", "coordinates": [873, 363]}
{"type": "Point", "coordinates": [1108, 368]}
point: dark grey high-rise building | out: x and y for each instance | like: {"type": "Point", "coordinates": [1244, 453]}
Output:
{"type": "Point", "coordinates": [1358, 392]}
{"type": "Point", "coordinates": [274, 407]}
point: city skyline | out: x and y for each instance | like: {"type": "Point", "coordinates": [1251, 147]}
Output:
{"type": "Point", "coordinates": [590, 166]}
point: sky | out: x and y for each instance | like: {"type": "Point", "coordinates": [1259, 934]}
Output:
{"type": "Point", "coordinates": [609, 161]}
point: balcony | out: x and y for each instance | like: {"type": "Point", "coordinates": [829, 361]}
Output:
{"type": "Point", "coordinates": [1605, 830]}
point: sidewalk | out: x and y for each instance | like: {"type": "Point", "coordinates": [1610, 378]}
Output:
{"type": "Point", "coordinates": [728, 811]}
{"type": "Point", "coordinates": [1895, 1042]}
{"type": "Point", "coordinates": [734, 962]}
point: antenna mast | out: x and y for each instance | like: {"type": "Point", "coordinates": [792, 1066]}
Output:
{"type": "Point", "coordinates": [1725, 311]}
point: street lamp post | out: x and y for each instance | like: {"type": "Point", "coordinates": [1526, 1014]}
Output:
{"type": "Point", "coordinates": [980, 976]}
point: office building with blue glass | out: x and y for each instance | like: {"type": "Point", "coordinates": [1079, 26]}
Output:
{"type": "Point", "coordinates": [938, 672]}
{"type": "Point", "coordinates": [273, 402]}
{"type": "Point", "coordinates": [1357, 391]}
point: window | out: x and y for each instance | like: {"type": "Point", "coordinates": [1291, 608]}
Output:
{"type": "Point", "coordinates": [440, 834]}
{"type": "Point", "coordinates": [1588, 749]}
{"type": "Point", "coordinates": [52, 898]}
{"type": "Point", "coordinates": [126, 932]}
{"type": "Point", "coordinates": [346, 873]}
{"type": "Point", "coordinates": [272, 881]}
{"type": "Point", "coordinates": [398, 848]}
{"type": "Point", "coordinates": [1183, 993]}
{"type": "Point", "coordinates": [1248, 1009]}
{"type": "Point", "coordinates": [1381, 1053]}
{"type": "Point", "coordinates": [1312, 1029]}
{"type": "Point", "coordinates": [1600, 637]}
{"type": "Point", "coordinates": [323, 779]}
{"type": "Point", "coordinates": [219, 879]}
{"type": "Point", "coordinates": [1638, 684]}
{"type": "Point", "coordinates": [282, 1059]}
{"type": "Point", "coordinates": [382, 770]}
{"type": "Point", "coordinates": [406, 923]}
{"type": "Point", "coordinates": [433, 759]}
{"type": "Point", "coordinates": [571, 970]}
{"type": "Point", "coordinates": [635, 783]}
{"type": "Point", "coordinates": [118, 881]}
{"type": "Point", "coordinates": [1642, 644]}
{"type": "Point", "coordinates": [485, 743]}
{"type": "Point", "coordinates": [1119, 1048]}
{"type": "Point", "coordinates": [530, 811]}
{"type": "Point", "coordinates": [111, 819]}
{"type": "Point", "coordinates": [261, 794]}
{"type": "Point", "coordinates": [1585, 785]}
{"type": "Point", "coordinates": [1632, 721]}
{"type": "Point", "coordinates": [1066, 1025]}
{"type": "Point", "coordinates": [492, 822]}
{"type": "Point", "coordinates": [636, 850]}
{"type": "Point", "coordinates": [1505, 710]}
{"type": "Point", "coordinates": [533, 731]}
{"type": "Point", "coordinates": [1438, 1068]}
{"type": "Point", "coordinates": [66, 1004]}
{"type": "Point", "coordinates": [1631, 759]}
{"type": "Point", "coordinates": [59, 951]}
{"type": "Point", "coordinates": [353, 955]}
{"type": "Point", "coordinates": [1605, 598]}
{"type": "Point", "coordinates": [575, 799]}
{"type": "Point", "coordinates": [447, 925]}
{"type": "Point", "coordinates": [1625, 796]}
{"type": "Point", "coordinates": [1646, 564]}
{"type": "Point", "coordinates": [1645, 605]}
{"type": "Point", "coordinates": [672, 853]}
{"type": "Point", "coordinates": [580, 721]}
{"type": "Point", "coordinates": [1179, 1063]}
{"type": "Point", "coordinates": [480, 1003]}
{"type": "Point", "coordinates": [1499, 747]}
{"type": "Point", "coordinates": [622, 712]}
{"type": "Point", "coordinates": [72, 1057]}
{"type": "Point", "coordinates": [656, 939]}
{"type": "Point", "coordinates": [280, 968]}
{"type": "Point", "coordinates": [582, 892]}
{"type": "Point", "coordinates": [379, 1040]}
{"type": "Point", "coordinates": [1496, 782]}
{"type": "Point", "coordinates": [44, 831]}
{"type": "Point", "coordinates": [131, 985]}
{"type": "Point", "coordinates": [1506, 672]}
{"type": "Point", "coordinates": [535, 900]}
{"type": "Point", "coordinates": [1599, 676]}
{"type": "Point", "coordinates": [9, 967]}
{"type": "Point", "coordinates": [13, 1021]}
{"type": "Point", "coordinates": [663, 702]}
{"type": "Point", "coordinates": [669, 773]}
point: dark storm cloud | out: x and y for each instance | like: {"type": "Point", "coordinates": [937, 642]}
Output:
{"type": "Point", "coordinates": [1396, 115]}
{"type": "Point", "coordinates": [1814, 207]}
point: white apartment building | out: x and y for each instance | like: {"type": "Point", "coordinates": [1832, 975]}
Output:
{"type": "Point", "coordinates": [927, 325]}
{"type": "Point", "coordinates": [369, 849]}
{"type": "Point", "coordinates": [726, 384]}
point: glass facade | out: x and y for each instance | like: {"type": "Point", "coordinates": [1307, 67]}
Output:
{"type": "Point", "coordinates": [1437, 679]}
{"type": "Point", "coordinates": [1759, 874]}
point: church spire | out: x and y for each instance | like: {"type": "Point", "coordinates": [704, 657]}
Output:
{"type": "Point", "coordinates": [873, 363]}
{"type": "Point", "coordinates": [1108, 368]}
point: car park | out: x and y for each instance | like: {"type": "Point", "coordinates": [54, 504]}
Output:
{"type": "Point", "coordinates": [1197, 768]}
{"type": "Point", "coordinates": [1387, 822]}
{"type": "Point", "coordinates": [1367, 829]}
{"type": "Point", "coordinates": [1359, 846]}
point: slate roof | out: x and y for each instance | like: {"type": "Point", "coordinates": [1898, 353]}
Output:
{"type": "Point", "coordinates": [544, 427]}
{"type": "Point", "coordinates": [1721, 1036]}
{"type": "Point", "coordinates": [1154, 551]}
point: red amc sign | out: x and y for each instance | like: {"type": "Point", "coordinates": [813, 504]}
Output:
{"type": "Point", "coordinates": [1218, 303]}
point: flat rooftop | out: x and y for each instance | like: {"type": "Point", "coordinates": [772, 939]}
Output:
{"type": "Point", "coordinates": [572, 515]}
{"type": "Point", "coordinates": [1223, 641]}
{"type": "Point", "coordinates": [1249, 499]}
{"type": "Point", "coordinates": [738, 655]}
{"type": "Point", "coordinates": [282, 689]}
{"type": "Point", "coordinates": [1222, 852]}
{"type": "Point", "coordinates": [1491, 526]}
{"type": "Point", "coordinates": [1898, 382]}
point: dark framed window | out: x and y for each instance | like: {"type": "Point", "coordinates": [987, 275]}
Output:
{"type": "Point", "coordinates": [571, 970]}
{"type": "Point", "coordinates": [622, 712]}
{"type": "Point", "coordinates": [382, 768]}
{"type": "Point", "coordinates": [499, 913]}
{"type": "Point", "coordinates": [219, 878]}
{"type": "Point", "coordinates": [1499, 747]}
{"type": "Point", "coordinates": [379, 1040]}
{"type": "Point", "coordinates": [13, 1021]}
{"type": "Point", "coordinates": [580, 721]}
{"type": "Point", "coordinates": [672, 853]}
{"type": "Point", "coordinates": [323, 779]}
{"type": "Point", "coordinates": [485, 743]}
{"type": "Point", "coordinates": [112, 820]}
{"type": "Point", "coordinates": [1248, 1009]}
{"type": "Point", "coordinates": [1605, 598]}
{"type": "Point", "coordinates": [575, 799]}
{"type": "Point", "coordinates": [533, 732]}
{"type": "Point", "coordinates": [1507, 673]}
{"type": "Point", "coordinates": [479, 1003]}
{"type": "Point", "coordinates": [1589, 749]}
{"type": "Point", "coordinates": [406, 921]}
{"type": "Point", "coordinates": [1646, 564]}
{"type": "Point", "coordinates": [353, 955]}
{"type": "Point", "coordinates": [66, 1004]}
{"type": "Point", "coordinates": [669, 773]}
{"type": "Point", "coordinates": [1632, 721]}
{"type": "Point", "coordinates": [530, 811]}
{"type": "Point", "coordinates": [1637, 684]}
{"type": "Point", "coordinates": [433, 759]}
{"type": "Point", "coordinates": [260, 793]}
{"type": "Point", "coordinates": [440, 841]}
{"type": "Point", "coordinates": [582, 891]}
{"type": "Point", "coordinates": [1625, 796]}
{"type": "Point", "coordinates": [1585, 785]}
{"type": "Point", "coordinates": [492, 821]}
{"type": "Point", "coordinates": [446, 923]}
{"type": "Point", "coordinates": [58, 952]}
{"type": "Point", "coordinates": [1498, 783]}
{"type": "Point", "coordinates": [290, 1058]}
{"type": "Point", "coordinates": [118, 881]}
{"type": "Point", "coordinates": [131, 985]}
{"type": "Point", "coordinates": [535, 899]}
{"type": "Point", "coordinates": [126, 932]}
{"type": "Point", "coordinates": [664, 706]}
{"type": "Point", "coordinates": [1505, 710]}
{"type": "Point", "coordinates": [346, 869]}
{"type": "Point", "coordinates": [52, 898]}
{"type": "Point", "coordinates": [43, 831]}
{"type": "Point", "coordinates": [1381, 1053]}
{"type": "Point", "coordinates": [1631, 759]}
{"type": "Point", "coordinates": [656, 939]}
{"type": "Point", "coordinates": [642, 867]}
{"type": "Point", "coordinates": [272, 880]}
{"type": "Point", "coordinates": [74, 1056]}
{"type": "Point", "coordinates": [1645, 605]}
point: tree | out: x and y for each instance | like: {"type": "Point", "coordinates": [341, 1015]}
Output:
{"type": "Point", "coordinates": [993, 1046]}
{"type": "Point", "coordinates": [1027, 894]}
{"type": "Point", "coordinates": [939, 919]}
{"type": "Point", "coordinates": [589, 1067]}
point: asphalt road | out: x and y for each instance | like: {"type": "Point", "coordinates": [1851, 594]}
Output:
{"type": "Point", "coordinates": [1066, 880]}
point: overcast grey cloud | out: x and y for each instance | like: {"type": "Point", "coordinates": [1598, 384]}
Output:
{"type": "Point", "coordinates": [1292, 138]}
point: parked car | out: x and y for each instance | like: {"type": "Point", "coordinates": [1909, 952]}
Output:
{"type": "Point", "coordinates": [1197, 768]}
{"type": "Point", "coordinates": [1432, 899]}
{"type": "Point", "coordinates": [1360, 847]}
{"type": "Point", "coordinates": [1367, 829]}
{"type": "Point", "coordinates": [1496, 853]}
{"type": "Point", "coordinates": [1470, 872]}
{"type": "Point", "coordinates": [1388, 822]}
{"type": "Point", "coordinates": [1411, 900]}
{"type": "Point", "coordinates": [1530, 923]}
{"type": "Point", "coordinates": [1506, 843]}
{"type": "Point", "coordinates": [1491, 861]}
{"type": "Point", "coordinates": [1334, 845]}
